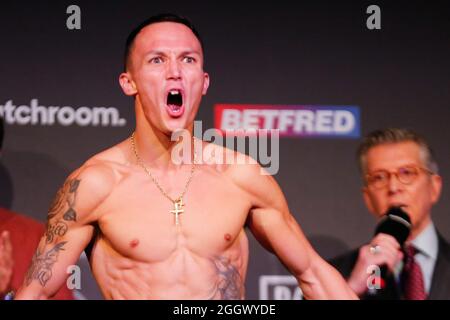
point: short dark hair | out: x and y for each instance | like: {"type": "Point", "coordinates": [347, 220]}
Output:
{"type": "Point", "coordinates": [396, 135]}
{"type": "Point", "coordinates": [164, 17]}
{"type": "Point", "coordinates": [1, 133]}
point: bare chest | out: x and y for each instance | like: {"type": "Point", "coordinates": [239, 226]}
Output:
{"type": "Point", "coordinates": [140, 223]}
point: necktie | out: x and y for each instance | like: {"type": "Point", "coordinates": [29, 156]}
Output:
{"type": "Point", "coordinates": [412, 277]}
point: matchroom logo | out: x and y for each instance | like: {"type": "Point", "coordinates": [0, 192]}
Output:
{"type": "Point", "coordinates": [290, 120]}
{"type": "Point", "coordinates": [35, 114]}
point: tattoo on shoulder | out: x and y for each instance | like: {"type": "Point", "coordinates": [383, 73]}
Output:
{"type": "Point", "coordinates": [62, 210]}
{"type": "Point", "coordinates": [65, 195]}
{"type": "Point", "coordinates": [229, 284]}
{"type": "Point", "coordinates": [42, 263]}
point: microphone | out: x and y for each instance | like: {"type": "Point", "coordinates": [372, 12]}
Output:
{"type": "Point", "coordinates": [396, 223]}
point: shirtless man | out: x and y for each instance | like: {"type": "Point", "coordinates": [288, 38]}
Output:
{"type": "Point", "coordinates": [126, 199]}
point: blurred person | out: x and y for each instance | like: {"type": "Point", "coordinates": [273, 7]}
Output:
{"type": "Point", "coordinates": [399, 170]}
{"type": "Point", "coordinates": [19, 237]}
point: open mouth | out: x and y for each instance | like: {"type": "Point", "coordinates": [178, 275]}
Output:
{"type": "Point", "coordinates": [175, 102]}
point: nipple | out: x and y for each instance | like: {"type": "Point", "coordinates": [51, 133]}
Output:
{"type": "Point", "coordinates": [134, 243]}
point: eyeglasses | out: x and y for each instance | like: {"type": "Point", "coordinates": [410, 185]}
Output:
{"type": "Point", "coordinates": [406, 175]}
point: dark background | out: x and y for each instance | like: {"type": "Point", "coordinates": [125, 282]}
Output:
{"type": "Point", "coordinates": [278, 52]}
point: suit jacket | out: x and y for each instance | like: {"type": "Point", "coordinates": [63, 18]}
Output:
{"type": "Point", "coordinates": [25, 234]}
{"type": "Point", "coordinates": [440, 282]}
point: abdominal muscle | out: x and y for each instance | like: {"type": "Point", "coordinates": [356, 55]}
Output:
{"type": "Point", "coordinates": [183, 274]}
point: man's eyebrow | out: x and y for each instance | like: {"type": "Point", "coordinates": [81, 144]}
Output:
{"type": "Point", "coordinates": [188, 52]}
{"type": "Point", "coordinates": [183, 53]}
{"type": "Point", "coordinates": [155, 52]}
{"type": "Point", "coordinates": [408, 164]}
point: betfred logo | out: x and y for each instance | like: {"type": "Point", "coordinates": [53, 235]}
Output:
{"type": "Point", "coordinates": [290, 120]}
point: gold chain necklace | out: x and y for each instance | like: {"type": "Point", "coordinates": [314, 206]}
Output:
{"type": "Point", "coordinates": [178, 202]}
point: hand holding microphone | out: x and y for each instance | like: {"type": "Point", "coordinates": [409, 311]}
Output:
{"type": "Point", "coordinates": [384, 250]}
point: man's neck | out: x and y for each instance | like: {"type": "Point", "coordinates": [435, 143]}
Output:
{"type": "Point", "coordinates": [156, 148]}
{"type": "Point", "coordinates": [416, 230]}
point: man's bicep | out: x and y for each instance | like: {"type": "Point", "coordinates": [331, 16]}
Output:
{"type": "Point", "coordinates": [68, 230]}
{"type": "Point", "coordinates": [280, 233]}
{"type": "Point", "coordinates": [274, 227]}
{"type": "Point", "coordinates": [75, 206]}
{"type": "Point", "coordinates": [48, 270]}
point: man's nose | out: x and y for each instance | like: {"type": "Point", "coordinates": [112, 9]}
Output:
{"type": "Point", "coordinates": [174, 71]}
{"type": "Point", "coordinates": [394, 184]}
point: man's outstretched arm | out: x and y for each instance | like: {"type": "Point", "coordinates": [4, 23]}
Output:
{"type": "Point", "coordinates": [69, 229]}
{"type": "Point", "coordinates": [276, 229]}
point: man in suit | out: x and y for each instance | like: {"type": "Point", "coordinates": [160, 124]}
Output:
{"type": "Point", "coordinates": [19, 237]}
{"type": "Point", "coordinates": [398, 169]}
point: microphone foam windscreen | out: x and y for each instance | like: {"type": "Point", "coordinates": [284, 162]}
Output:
{"type": "Point", "coordinates": [396, 223]}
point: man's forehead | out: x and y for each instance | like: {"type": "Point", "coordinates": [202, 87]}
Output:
{"type": "Point", "coordinates": [391, 155]}
{"type": "Point", "coordinates": [167, 34]}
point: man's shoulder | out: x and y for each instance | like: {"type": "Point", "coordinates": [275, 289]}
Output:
{"type": "Point", "coordinates": [245, 173]}
{"type": "Point", "coordinates": [106, 166]}
{"type": "Point", "coordinates": [441, 274]}
{"type": "Point", "coordinates": [242, 170]}
{"type": "Point", "coordinates": [96, 178]}
{"type": "Point", "coordinates": [227, 161]}
{"type": "Point", "coordinates": [444, 246]}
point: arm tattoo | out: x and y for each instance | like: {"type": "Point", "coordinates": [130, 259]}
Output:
{"type": "Point", "coordinates": [229, 282]}
{"type": "Point", "coordinates": [66, 196]}
{"type": "Point", "coordinates": [62, 211]}
{"type": "Point", "coordinates": [57, 229]}
{"type": "Point", "coordinates": [42, 263]}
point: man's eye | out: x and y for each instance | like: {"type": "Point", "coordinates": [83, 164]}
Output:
{"type": "Point", "coordinates": [407, 172]}
{"type": "Point", "coordinates": [189, 60]}
{"type": "Point", "coordinates": [156, 60]}
{"type": "Point", "coordinates": [378, 177]}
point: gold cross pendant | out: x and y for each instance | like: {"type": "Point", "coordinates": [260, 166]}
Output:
{"type": "Point", "coordinates": [178, 209]}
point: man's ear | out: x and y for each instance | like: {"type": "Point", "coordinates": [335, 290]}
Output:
{"type": "Point", "coordinates": [205, 83]}
{"type": "Point", "coordinates": [436, 187]}
{"type": "Point", "coordinates": [127, 84]}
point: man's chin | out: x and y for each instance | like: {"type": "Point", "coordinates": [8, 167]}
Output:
{"type": "Point", "coordinates": [172, 127]}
